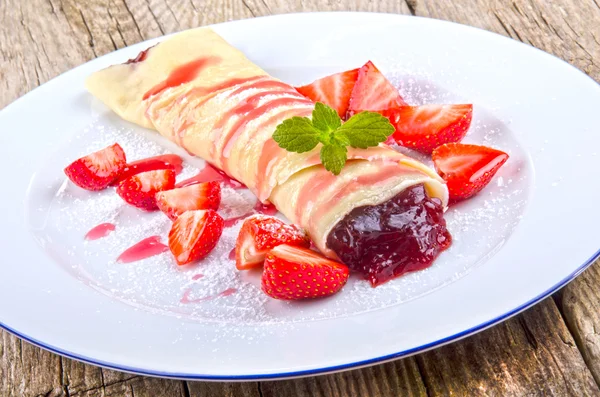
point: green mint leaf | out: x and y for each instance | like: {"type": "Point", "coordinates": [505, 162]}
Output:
{"type": "Point", "coordinates": [339, 138]}
{"type": "Point", "coordinates": [297, 134]}
{"type": "Point", "coordinates": [325, 118]}
{"type": "Point", "coordinates": [366, 129]}
{"type": "Point", "coordinates": [334, 157]}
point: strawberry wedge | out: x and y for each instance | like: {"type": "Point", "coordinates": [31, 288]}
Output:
{"type": "Point", "coordinates": [373, 91]}
{"type": "Point", "coordinates": [292, 273]}
{"type": "Point", "coordinates": [194, 235]}
{"type": "Point", "coordinates": [426, 127]}
{"type": "Point", "coordinates": [467, 169]}
{"type": "Point", "coordinates": [333, 90]}
{"type": "Point", "coordinates": [140, 190]}
{"type": "Point", "coordinates": [97, 170]}
{"type": "Point", "coordinates": [199, 196]}
{"type": "Point", "coordinates": [261, 233]}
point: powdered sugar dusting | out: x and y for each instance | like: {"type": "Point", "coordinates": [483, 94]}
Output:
{"type": "Point", "coordinates": [213, 290]}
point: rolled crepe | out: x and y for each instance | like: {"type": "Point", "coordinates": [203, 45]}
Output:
{"type": "Point", "coordinates": [207, 97]}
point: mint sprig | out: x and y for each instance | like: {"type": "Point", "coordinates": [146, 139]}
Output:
{"type": "Point", "coordinates": [301, 134]}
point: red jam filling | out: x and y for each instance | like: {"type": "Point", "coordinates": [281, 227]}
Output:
{"type": "Point", "coordinates": [140, 57]}
{"type": "Point", "coordinates": [403, 234]}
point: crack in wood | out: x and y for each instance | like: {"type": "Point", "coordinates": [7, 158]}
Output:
{"type": "Point", "coordinates": [529, 335]}
{"type": "Point", "coordinates": [134, 20]}
{"type": "Point", "coordinates": [154, 16]}
{"type": "Point", "coordinates": [172, 13]}
{"type": "Point", "coordinates": [267, 7]}
{"type": "Point", "coordinates": [193, 6]}
{"type": "Point", "coordinates": [91, 41]}
{"type": "Point", "coordinates": [412, 6]}
{"type": "Point", "coordinates": [423, 375]}
{"type": "Point", "coordinates": [248, 7]}
{"type": "Point", "coordinates": [502, 24]}
{"type": "Point", "coordinates": [51, 7]}
{"type": "Point", "coordinates": [186, 389]}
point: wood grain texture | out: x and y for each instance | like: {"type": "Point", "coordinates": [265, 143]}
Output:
{"type": "Point", "coordinates": [580, 305]}
{"type": "Point", "coordinates": [534, 349]}
{"type": "Point", "coordinates": [569, 29]}
{"type": "Point", "coordinates": [398, 378]}
{"type": "Point", "coordinates": [532, 354]}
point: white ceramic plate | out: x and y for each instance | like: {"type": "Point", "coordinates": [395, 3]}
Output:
{"type": "Point", "coordinates": [526, 235]}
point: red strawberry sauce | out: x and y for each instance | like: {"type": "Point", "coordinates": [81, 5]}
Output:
{"type": "Point", "coordinates": [102, 230]}
{"type": "Point", "coordinates": [140, 57]}
{"type": "Point", "coordinates": [232, 254]}
{"type": "Point", "coordinates": [144, 249]}
{"type": "Point", "coordinates": [209, 174]}
{"type": "Point", "coordinates": [259, 208]}
{"type": "Point", "coordinates": [403, 234]}
{"type": "Point", "coordinates": [265, 209]}
{"type": "Point", "coordinates": [162, 162]}
{"type": "Point", "coordinates": [182, 74]}
{"type": "Point", "coordinates": [186, 296]}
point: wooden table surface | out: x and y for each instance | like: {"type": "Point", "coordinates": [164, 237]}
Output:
{"type": "Point", "coordinates": [551, 349]}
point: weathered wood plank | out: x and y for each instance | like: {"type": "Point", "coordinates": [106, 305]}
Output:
{"type": "Point", "coordinates": [521, 357]}
{"type": "Point", "coordinates": [208, 389]}
{"type": "Point", "coordinates": [569, 29]}
{"type": "Point", "coordinates": [139, 387]}
{"type": "Point", "coordinates": [398, 378]}
{"type": "Point", "coordinates": [26, 370]}
{"type": "Point", "coordinates": [580, 305]}
{"type": "Point", "coordinates": [532, 354]}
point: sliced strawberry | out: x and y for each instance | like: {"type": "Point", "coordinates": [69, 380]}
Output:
{"type": "Point", "coordinates": [97, 170]}
{"type": "Point", "coordinates": [333, 90]}
{"type": "Point", "coordinates": [261, 233]}
{"type": "Point", "coordinates": [467, 168]}
{"type": "Point", "coordinates": [373, 91]}
{"type": "Point", "coordinates": [426, 127]}
{"type": "Point", "coordinates": [298, 273]}
{"type": "Point", "coordinates": [140, 190]}
{"type": "Point", "coordinates": [194, 234]}
{"type": "Point", "coordinates": [199, 196]}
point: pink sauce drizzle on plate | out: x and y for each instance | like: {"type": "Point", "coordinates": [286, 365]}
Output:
{"type": "Point", "coordinates": [144, 249]}
{"type": "Point", "coordinates": [232, 254]}
{"type": "Point", "coordinates": [232, 221]}
{"type": "Point", "coordinates": [102, 230]}
{"type": "Point", "coordinates": [162, 162]}
{"type": "Point", "coordinates": [210, 173]}
{"type": "Point", "coordinates": [185, 299]}
{"type": "Point", "coordinates": [265, 209]}
{"type": "Point", "coordinates": [259, 208]}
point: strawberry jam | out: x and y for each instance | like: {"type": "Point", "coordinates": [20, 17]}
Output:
{"type": "Point", "coordinates": [403, 234]}
{"type": "Point", "coordinates": [140, 57]}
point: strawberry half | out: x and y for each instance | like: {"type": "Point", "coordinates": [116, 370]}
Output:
{"type": "Point", "coordinates": [261, 233]}
{"type": "Point", "coordinates": [97, 170]}
{"type": "Point", "coordinates": [467, 168]}
{"type": "Point", "coordinates": [194, 234]}
{"type": "Point", "coordinates": [373, 91]}
{"type": "Point", "coordinates": [199, 196]}
{"type": "Point", "coordinates": [140, 190]}
{"type": "Point", "coordinates": [426, 127]}
{"type": "Point", "coordinates": [292, 273]}
{"type": "Point", "coordinates": [334, 91]}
